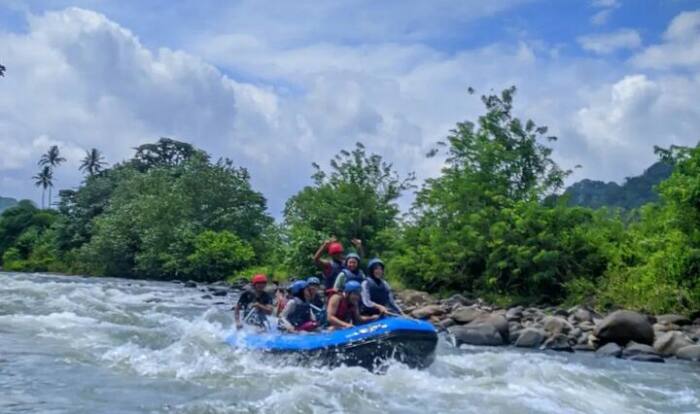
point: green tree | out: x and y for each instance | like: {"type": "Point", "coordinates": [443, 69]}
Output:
{"type": "Point", "coordinates": [355, 198]}
{"type": "Point", "coordinates": [44, 179]}
{"type": "Point", "coordinates": [218, 255]}
{"type": "Point", "coordinates": [51, 159]}
{"type": "Point", "coordinates": [93, 162]}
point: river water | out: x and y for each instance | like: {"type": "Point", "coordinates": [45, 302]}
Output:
{"type": "Point", "coordinates": [95, 345]}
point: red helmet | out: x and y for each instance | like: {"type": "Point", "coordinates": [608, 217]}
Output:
{"type": "Point", "coordinates": [335, 248]}
{"type": "Point", "coordinates": [259, 279]}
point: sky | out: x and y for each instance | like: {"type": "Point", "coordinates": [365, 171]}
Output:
{"type": "Point", "coordinates": [277, 85]}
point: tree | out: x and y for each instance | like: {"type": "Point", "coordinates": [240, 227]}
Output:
{"type": "Point", "coordinates": [356, 198]}
{"type": "Point", "coordinates": [167, 152]}
{"type": "Point", "coordinates": [51, 159]}
{"type": "Point", "coordinates": [93, 162]}
{"type": "Point", "coordinates": [44, 179]}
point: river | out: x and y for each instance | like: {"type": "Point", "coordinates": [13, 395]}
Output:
{"type": "Point", "coordinates": [98, 345]}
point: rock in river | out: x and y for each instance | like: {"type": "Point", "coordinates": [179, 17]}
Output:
{"type": "Point", "coordinates": [669, 343]}
{"type": "Point", "coordinates": [623, 326]}
{"type": "Point", "coordinates": [609, 350]}
{"type": "Point", "coordinates": [484, 334]}
{"type": "Point", "coordinates": [689, 353]}
{"type": "Point", "coordinates": [530, 338]}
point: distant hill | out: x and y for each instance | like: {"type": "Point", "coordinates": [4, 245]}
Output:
{"type": "Point", "coordinates": [635, 192]}
{"type": "Point", "coordinates": [6, 202]}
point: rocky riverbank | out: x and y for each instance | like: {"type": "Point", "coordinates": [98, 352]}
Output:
{"type": "Point", "coordinates": [620, 334]}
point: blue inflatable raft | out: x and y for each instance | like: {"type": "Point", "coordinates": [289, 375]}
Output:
{"type": "Point", "coordinates": [409, 341]}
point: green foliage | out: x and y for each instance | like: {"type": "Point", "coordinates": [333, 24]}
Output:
{"type": "Point", "coordinates": [217, 255]}
{"type": "Point", "coordinates": [6, 202]}
{"type": "Point", "coordinates": [356, 198]}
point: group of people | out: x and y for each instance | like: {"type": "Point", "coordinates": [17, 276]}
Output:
{"type": "Point", "coordinates": [347, 296]}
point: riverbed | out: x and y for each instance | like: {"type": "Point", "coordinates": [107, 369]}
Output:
{"type": "Point", "coordinates": [97, 345]}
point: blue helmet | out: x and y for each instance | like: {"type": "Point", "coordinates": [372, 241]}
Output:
{"type": "Point", "coordinates": [374, 262]}
{"type": "Point", "coordinates": [313, 280]}
{"type": "Point", "coordinates": [352, 286]}
{"type": "Point", "coordinates": [352, 256]}
{"type": "Point", "coordinates": [298, 286]}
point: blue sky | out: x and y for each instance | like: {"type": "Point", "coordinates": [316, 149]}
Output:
{"type": "Point", "coordinates": [277, 85]}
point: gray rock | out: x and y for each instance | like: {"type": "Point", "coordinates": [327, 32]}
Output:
{"type": "Point", "coordinates": [514, 314]}
{"type": "Point", "coordinates": [426, 312]}
{"type": "Point", "coordinates": [190, 284]}
{"type": "Point", "coordinates": [562, 313]}
{"type": "Point", "coordinates": [467, 315]}
{"type": "Point", "coordinates": [445, 323]}
{"type": "Point", "coordinates": [582, 315]}
{"type": "Point", "coordinates": [558, 342]}
{"type": "Point", "coordinates": [586, 326]}
{"type": "Point", "coordinates": [484, 334]}
{"type": "Point", "coordinates": [219, 292]}
{"type": "Point", "coordinates": [689, 353]}
{"type": "Point", "coordinates": [670, 342]}
{"type": "Point", "coordinates": [674, 319]}
{"type": "Point", "coordinates": [513, 335]}
{"type": "Point", "coordinates": [610, 349]}
{"type": "Point", "coordinates": [416, 298]}
{"type": "Point", "coordinates": [499, 322]}
{"type": "Point", "coordinates": [556, 325]}
{"type": "Point", "coordinates": [458, 299]}
{"type": "Point", "coordinates": [584, 348]}
{"type": "Point", "coordinates": [646, 358]}
{"type": "Point", "coordinates": [634, 348]}
{"type": "Point", "coordinates": [207, 297]}
{"type": "Point", "coordinates": [624, 326]}
{"type": "Point", "coordinates": [530, 338]}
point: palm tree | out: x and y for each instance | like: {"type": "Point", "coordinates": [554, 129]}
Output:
{"type": "Point", "coordinates": [45, 180]}
{"type": "Point", "coordinates": [93, 162]}
{"type": "Point", "coordinates": [51, 159]}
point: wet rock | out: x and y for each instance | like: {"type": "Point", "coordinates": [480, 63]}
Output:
{"type": "Point", "coordinates": [674, 319]}
{"type": "Point", "coordinates": [499, 322]}
{"type": "Point", "coordinates": [530, 338]}
{"type": "Point", "coordinates": [646, 358]}
{"type": "Point", "coordinates": [484, 334]}
{"type": "Point", "coordinates": [426, 312]}
{"type": "Point", "coordinates": [457, 299]}
{"type": "Point", "coordinates": [514, 326]}
{"type": "Point", "coordinates": [190, 284]}
{"type": "Point", "coordinates": [624, 326]}
{"type": "Point", "coordinates": [556, 325]}
{"type": "Point", "coordinates": [562, 313]}
{"type": "Point", "coordinates": [610, 349]}
{"type": "Point", "coordinates": [584, 348]}
{"type": "Point", "coordinates": [559, 343]}
{"type": "Point", "coordinates": [219, 292]}
{"type": "Point", "coordinates": [689, 353]}
{"type": "Point", "coordinates": [514, 314]}
{"type": "Point", "coordinates": [586, 326]}
{"type": "Point", "coordinates": [467, 315]}
{"type": "Point", "coordinates": [445, 323]}
{"type": "Point", "coordinates": [411, 297]}
{"type": "Point", "coordinates": [581, 315]}
{"type": "Point", "coordinates": [207, 297]}
{"type": "Point", "coordinates": [634, 348]}
{"type": "Point", "coordinates": [670, 342]}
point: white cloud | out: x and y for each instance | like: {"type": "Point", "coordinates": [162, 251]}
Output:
{"type": "Point", "coordinates": [605, 43]}
{"type": "Point", "coordinates": [681, 46]}
{"type": "Point", "coordinates": [607, 7]}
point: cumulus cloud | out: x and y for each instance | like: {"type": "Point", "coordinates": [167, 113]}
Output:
{"type": "Point", "coordinates": [606, 8]}
{"type": "Point", "coordinates": [680, 48]}
{"type": "Point", "coordinates": [606, 43]}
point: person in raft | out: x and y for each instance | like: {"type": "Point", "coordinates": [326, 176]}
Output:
{"type": "Point", "coordinates": [255, 303]}
{"type": "Point", "coordinates": [297, 315]}
{"type": "Point", "coordinates": [331, 268]}
{"type": "Point", "coordinates": [376, 292]}
{"type": "Point", "coordinates": [316, 301]}
{"type": "Point", "coordinates": [344, 308]}
{"type": "Point", "coordinates": [351, 272]}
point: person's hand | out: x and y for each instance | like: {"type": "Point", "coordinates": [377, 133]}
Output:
{"type": "Point", "coordinates": [329, 241]}
{"type": "Point", "coordinates": [382, 309]}
{"type": "Point", "coordinates": [356, 242]}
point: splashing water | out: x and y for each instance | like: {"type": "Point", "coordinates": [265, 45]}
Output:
{"type": "Point", "coordinates": [96, 345]}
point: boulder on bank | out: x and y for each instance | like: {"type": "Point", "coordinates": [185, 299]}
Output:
{"type": "Point", "coordinates": [673, 319]}
{"type": "Point", "coordinates": [484, 334]}
{"type": "Point", "coordinates": [632, 349]}
{"type": "Point", "coordinates": [556, 325]}
{"type": "Point", "coordinates": [669, 343]}
{"type": "Point", "coordinates": [410, 297]}
{"type": "Point", "coordinates": [426, 312]}
{"type": "Point", "coordinates": [467, 315]}
{"type": "Point", "coordinates": [689, 353]}
{"type": "Point", "coordinates": [624, 326]}
{"type": "Point", "coordinates": [530, 338]}
{"type": "Point", "coordinates": [559, 343]}
{"type": "Point", "coordinates": [610, 349]}
{"type": "Point", "coordinates": [498, 321]}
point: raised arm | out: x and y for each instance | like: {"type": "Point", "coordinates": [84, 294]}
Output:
{"type": "Point", "coordinates": [322, 248]}
{"type": "Point", "coordinates": [359, 247]}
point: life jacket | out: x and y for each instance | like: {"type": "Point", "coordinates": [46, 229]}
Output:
{"type": "Point", "coordinates": [378, 291]}
{"type": "Point", "coordinates": [301, 313]}
{"type": "Point", "coordinates": [345, 311]}
{"type": "Point", "coordinates": [358, 276]}
{"type": "Point", "coordinates": [336, 268]}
